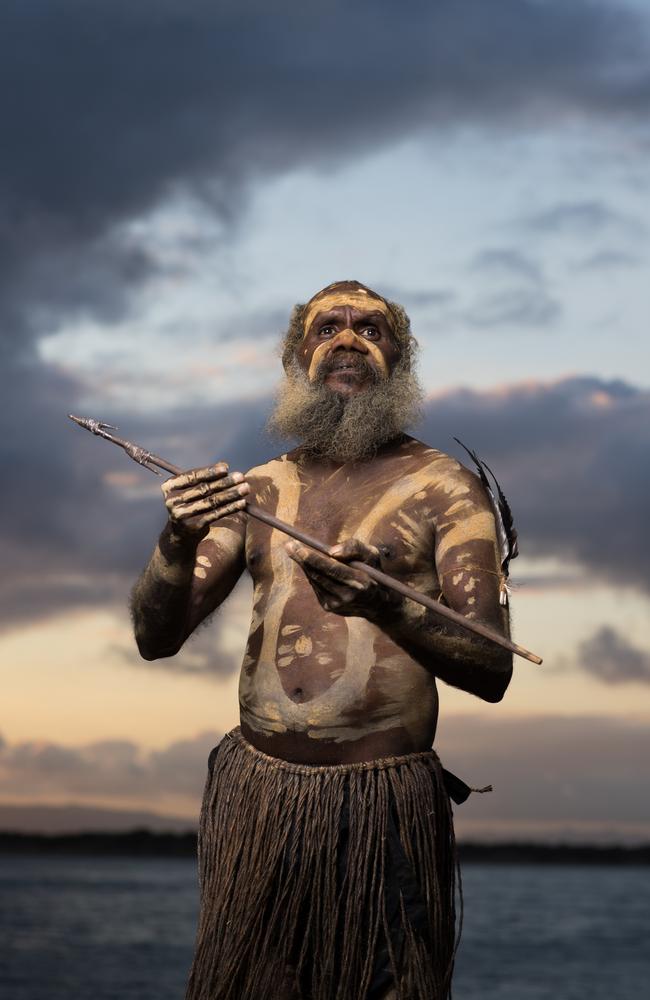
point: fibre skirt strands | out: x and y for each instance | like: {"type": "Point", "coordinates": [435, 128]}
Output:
{"type": "Point", "coordinates": [324, 882]}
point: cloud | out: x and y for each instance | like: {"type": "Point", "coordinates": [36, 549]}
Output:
{"type": "Point", "coordinates": [529, 306]}
{"type": "Point", "coordinates": [606, 260]}
{"type": "Point", "coordinates": [418, 298]}
{"type": "Point", "coordinates": [70, 533]}
{"type": "Point", "coordinates": [572, 457]}
{"type": "Point", "coordinates": [546, 770]}
{"type": "Point", "coordinates": [516, 294]}
{"type": "Point", "coordinates": [582, 218]}
{"type": "Point", "coordinates": [550, 771]}
{"type": "Point", "coordinates": [508, 260]}
{"type": "Point", "coordinates": [611, 658]}
{"type": "Point", "coordinates": [122, 106]}
{"type": "Point", "coordinates": [107, 771]}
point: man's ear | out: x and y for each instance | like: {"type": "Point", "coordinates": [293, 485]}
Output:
{"type": "Point", "coordinates": [288, 355]}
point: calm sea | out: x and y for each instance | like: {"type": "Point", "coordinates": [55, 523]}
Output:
{"type": "Point", "coordinates": [76, 928]}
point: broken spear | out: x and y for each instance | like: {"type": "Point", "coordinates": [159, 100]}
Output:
{"type": "Point", "coordinates": [155, 462]}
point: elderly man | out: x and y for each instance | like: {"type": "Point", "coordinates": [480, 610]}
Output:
{"type": "Point", "coordinates": [326, 850]}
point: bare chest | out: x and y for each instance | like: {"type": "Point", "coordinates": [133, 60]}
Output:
{"type": "Point", "coordinates": [329, 676]}
{"type": "Point", "coordinates": [393, 515]}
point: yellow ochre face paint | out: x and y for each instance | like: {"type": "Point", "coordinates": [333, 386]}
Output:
{"type": "Point", "coordinates": [328, 345]}
{"type": "Point", "coordinates": [358, 300]}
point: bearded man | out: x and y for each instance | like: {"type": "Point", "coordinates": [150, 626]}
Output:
{"type": "Point", "coordinates": [326, 848]}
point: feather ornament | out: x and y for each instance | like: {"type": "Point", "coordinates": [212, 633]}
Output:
{"type": "Point", "coordinates": [506, 531]}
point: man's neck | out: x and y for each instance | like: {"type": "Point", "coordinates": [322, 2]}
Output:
{"type": "Point", "coordinates": [302, 456]}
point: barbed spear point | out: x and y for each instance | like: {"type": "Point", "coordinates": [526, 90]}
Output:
{"type": "Point", "coordinates": [134, 451]}
{"type": "Point", "coordinates": [94, 426]}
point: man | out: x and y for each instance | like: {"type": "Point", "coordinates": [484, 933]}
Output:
{"type": "Point", "coordinates": [326, 852]}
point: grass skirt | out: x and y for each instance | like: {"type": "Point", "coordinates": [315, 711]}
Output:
{"type": "Point", "coordinates": [312, 878]}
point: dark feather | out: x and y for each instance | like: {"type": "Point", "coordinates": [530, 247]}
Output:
{"type": "Point", "coordinates": [508, 520]}
{"type": "Point", "coordinates": [502, 511]}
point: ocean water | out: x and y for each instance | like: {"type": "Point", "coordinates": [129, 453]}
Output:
{"type": "Point", "coordinates": [93, 928]}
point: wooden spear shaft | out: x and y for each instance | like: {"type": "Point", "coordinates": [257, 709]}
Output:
{"type": "Point", "coordinates": [152, 462]}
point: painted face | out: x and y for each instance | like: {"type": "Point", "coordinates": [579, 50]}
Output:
{"type": "Point", "coordinates": [349, 335]}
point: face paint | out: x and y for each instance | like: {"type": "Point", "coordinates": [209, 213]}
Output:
{"type": "Point", "coordinates": [346, 338]}
{"type": "Point", "coordinates": [360, 300]}
{"type": "Point", "coordinates": [362, 303]}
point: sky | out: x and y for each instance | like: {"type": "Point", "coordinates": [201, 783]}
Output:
{"type": "Point", "coordinates": [174, 177]}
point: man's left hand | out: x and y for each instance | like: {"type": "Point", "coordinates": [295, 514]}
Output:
{"type": "Point", "coordinates": [341, 588]}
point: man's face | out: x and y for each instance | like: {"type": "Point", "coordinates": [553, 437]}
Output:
{"type": "Point", "coordinates": [348, 341]}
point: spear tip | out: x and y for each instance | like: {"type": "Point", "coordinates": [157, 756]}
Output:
{"type": "Point", "coordinates": [95, 426]}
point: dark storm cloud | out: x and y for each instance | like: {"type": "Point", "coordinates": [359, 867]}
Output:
{"type": "Point", "coordinates": [70, 536]}
{"type": "Point", "coordinates": [572, 457]}
{"type": "Point", "coordinates": [613, 659]}
{"type": "Point", "coordinates": [108, 109]}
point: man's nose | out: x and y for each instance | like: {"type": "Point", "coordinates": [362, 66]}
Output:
{"type": "Point", "coordinates": [348, 340]}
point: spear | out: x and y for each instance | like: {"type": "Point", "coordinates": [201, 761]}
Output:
{"type": "Point", "coordinates": [154, 462]}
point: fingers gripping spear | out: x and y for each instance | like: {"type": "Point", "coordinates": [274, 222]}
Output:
{"type": "Point", "coordinates": [154, 463]}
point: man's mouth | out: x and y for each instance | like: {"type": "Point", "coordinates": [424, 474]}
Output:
{"type": "Point", "coordinates": [346, 364]}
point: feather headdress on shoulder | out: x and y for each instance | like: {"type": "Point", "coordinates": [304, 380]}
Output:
{"type": "Point", "coordinates": [506, 531]}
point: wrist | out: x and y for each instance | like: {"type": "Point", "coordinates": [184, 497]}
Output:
{"type": "Point", "coordinates": [177, 546]}
{"type": "Point", "coordinates": [177, 536]}
{"type": "Point", "coordinates": [389, 615]}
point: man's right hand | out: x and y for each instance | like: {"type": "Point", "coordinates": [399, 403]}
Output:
{"type": "Point", "coordinates": [198, 498]}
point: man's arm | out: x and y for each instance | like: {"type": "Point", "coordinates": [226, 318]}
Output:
{"type": "Point", "coordinates": [469, 571]}
{"type": "Point", "coordinates": [468, 567]}
{"type": "Point", "coordinates": [458, 657]}
{"type": "Point", "coordinates": [197, 562]}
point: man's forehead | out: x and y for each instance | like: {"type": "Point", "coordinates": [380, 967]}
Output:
{"type": "Point", "coordinates": [357, 298]}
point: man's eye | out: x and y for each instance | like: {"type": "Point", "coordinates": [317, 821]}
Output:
{"type": "Point", "coordinates": [326, 331]}
{"type": "Point", "coordinates": [370, 331]}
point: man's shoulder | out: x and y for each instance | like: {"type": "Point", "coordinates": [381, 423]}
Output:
{"type": "Point", "coordinates": [442, 472]}
{"type": "Point", "coordinates": [434, 466]}
{"type": "Point", "coordinates": [435, 461]}
{"type": "Point", "coordinates": [275, 467]}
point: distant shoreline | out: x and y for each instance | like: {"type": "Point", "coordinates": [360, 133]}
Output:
{"type": "Point", "coordinates": [145, 843]}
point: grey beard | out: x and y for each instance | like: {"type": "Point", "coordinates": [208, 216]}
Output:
{"type": "Point", "coordinates": [346, 429]}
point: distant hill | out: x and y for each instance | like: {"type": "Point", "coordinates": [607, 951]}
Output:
{"type": "Point", "coordinates": [145, 843]}
{"type": "Point", "coordinates": [70, 819]}
{"type": "Point", "coordinates": [74, 829]}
